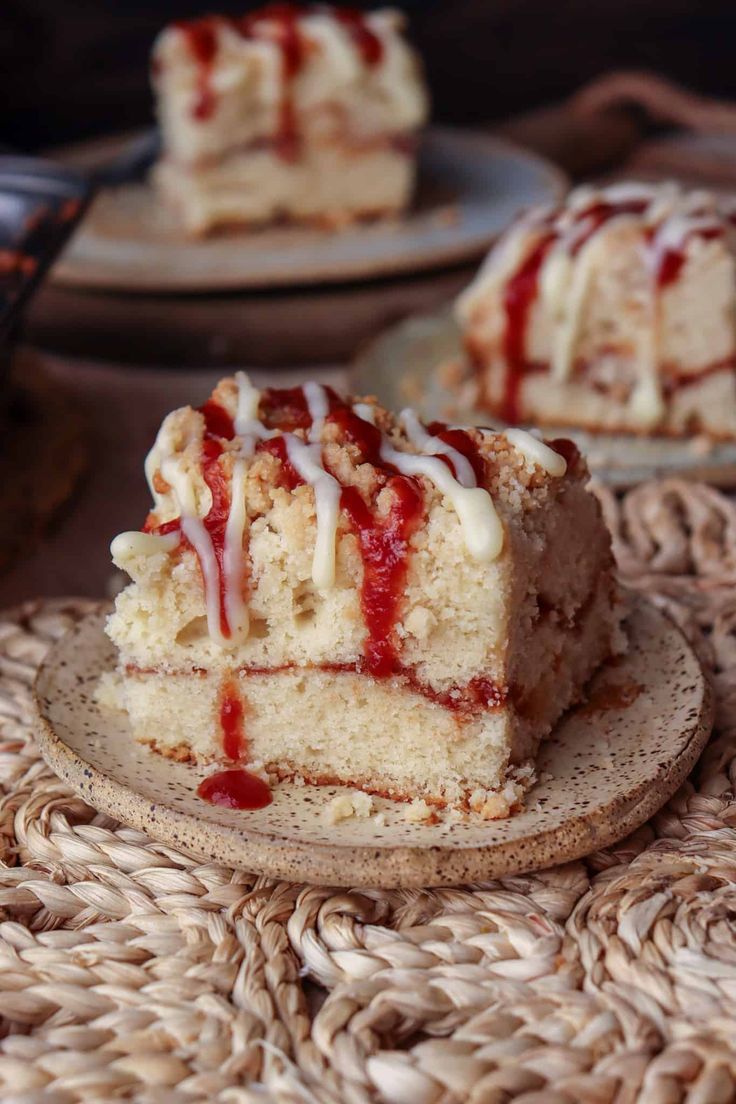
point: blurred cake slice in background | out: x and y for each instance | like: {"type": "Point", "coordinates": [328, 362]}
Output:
{"type": "Point", "coordinates": [307, 113]}
{"type": "Point", "coordinates": [614, 312]}
{"type": "Point", "coordinates": [344, 597]}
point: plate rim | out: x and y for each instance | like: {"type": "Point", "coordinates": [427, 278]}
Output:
{"type": "Point", "coordinates": [66, 274]}
{"type": "Point", "coordinates": [279, 855]}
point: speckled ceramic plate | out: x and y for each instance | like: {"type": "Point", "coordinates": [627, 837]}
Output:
{"type": "Point", "coordinates": [470, 185]}
{"type": "Point", "coordinates": [605, 770]}
{"type": "Point", "coordinates": [405, 365]}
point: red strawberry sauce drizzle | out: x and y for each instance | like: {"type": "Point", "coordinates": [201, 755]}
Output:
{"type": "Point", "coordinates": [278, 23]}
{"type": "Point", "coordinates": [672, 260]}
{"type": "Point", "coordinates": [201, 36]}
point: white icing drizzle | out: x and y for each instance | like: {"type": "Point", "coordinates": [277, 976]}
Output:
{"type": "Point", "coordinates": [578, 252]}
{"type": "Point", "coordinates": [151, 465]}
{"type": "Point", "coordinates": [318, 405]}
{"type": "Point", "coordinates": [246, 422]}
{"type": "Point", "coordinates": [233, 557]}
{"type": "Point", "coordinates": [537, 452]}
{"type": "Point", "coordinates": [194, 530]}
{"type": "Point", "coordinates": [307, 461]}
{"type": "Point", "coordinates": [434, 446]}
{"type": "Point", "coordinates": [366, 412]}
{"type": "Point", "coordinates": [126, 546]}
{"type": "Point", "coordinates": [481, 526]}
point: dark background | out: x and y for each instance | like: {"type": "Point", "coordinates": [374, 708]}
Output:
{"type": "Point", "coordinates": [74, 68]}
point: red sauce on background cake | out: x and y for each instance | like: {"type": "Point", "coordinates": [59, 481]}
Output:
{"type": "Point", "coordinates": [367, 42]}
{"type": "Point", "coordinates": [672, 260]}
{"type": "Point", "coordinates": [523, 286]}
{"type": "Point", "coordinates": [235, 789]}
{"type": "Point", "coordinates": [277, 23]}
{"type": "Point", "coordinates": [598, 214]}
{"type": "Point", "coordinates": [519, 297]}
{"type": "Point", "coordinates": [201, 36]}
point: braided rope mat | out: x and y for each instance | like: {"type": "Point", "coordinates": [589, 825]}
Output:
{"type": "Point", "coordinates": [130, 971]}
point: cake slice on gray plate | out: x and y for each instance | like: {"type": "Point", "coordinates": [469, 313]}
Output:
{"type": "Point", "coordinates": [299, 112]}
{"type": "Point", "coordinates": [343, 596]}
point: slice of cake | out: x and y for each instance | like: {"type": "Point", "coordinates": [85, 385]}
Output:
{"type": "Point", "coordinates": [346, 597]}
{"type": "Point", "coordinates": [614, 312]}
{"type": "Point", "coordinates": [307, 113]}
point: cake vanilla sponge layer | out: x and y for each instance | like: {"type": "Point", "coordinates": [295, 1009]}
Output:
{"type": "Point", "coordinates": [379, 735]}
{"type": "Point", "coordinates": [327, 184]}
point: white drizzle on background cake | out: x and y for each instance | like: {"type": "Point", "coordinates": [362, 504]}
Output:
{"type": "Point", "coordinates": [553, 255]}
{"type": "Point", "coordinates": [171, 460]}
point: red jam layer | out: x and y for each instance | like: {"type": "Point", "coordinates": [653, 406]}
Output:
{"type": "Point", "coordinates": [235, 789]}
{"type": "Point", "coordinates": [466, 699]}
{"type": "Point", "coordinates": [278, 23]}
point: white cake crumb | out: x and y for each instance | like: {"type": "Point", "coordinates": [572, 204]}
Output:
{"type": "Point", "coordinates": [109, 691]}
{"type": "Point", "coordinates": [348, 805]}
{"type": "Point", "coordinates": [380, 820]}
{"type": "Point", "coordinates": [417, 811]}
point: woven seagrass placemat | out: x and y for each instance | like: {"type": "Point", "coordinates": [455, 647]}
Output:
{"type": "Point", "coordinates": [129, 971]}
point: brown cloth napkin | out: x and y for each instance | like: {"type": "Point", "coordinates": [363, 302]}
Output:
{"type": "Point", "coordinates": [635, 123]}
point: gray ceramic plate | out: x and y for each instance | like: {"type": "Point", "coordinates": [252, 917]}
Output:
{"type": "Point", "coordinates": [470, 185]}
{"type": "Point", "coordinates": [605, 770]}
{"type": "Point", "coordinates": [403, 366]}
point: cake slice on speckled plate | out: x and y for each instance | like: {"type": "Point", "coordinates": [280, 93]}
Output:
{"type": "Point", "coordinates": [343, 596]}
{"type": "Point", "coordinates": [615, 312]}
